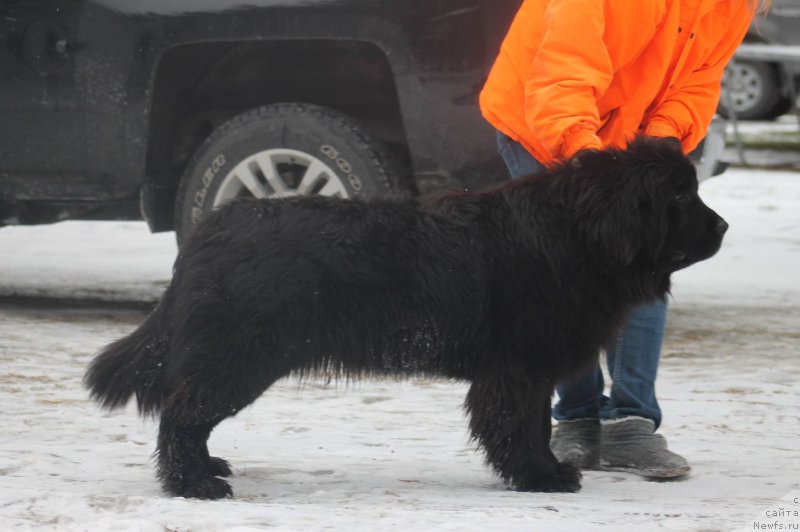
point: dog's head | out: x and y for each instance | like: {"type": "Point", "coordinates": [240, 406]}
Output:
{"type": "Point", "coordinates": [640, 206]}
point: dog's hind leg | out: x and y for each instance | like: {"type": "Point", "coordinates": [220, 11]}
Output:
{"type": "Point", "coordinates": [182, 466]}
{"type": "Point", "coordinates": [216, 467]}
{"type": "Point", "coordinates": [185, 467]}
{"type": "Point", "coordinates": [510, 419]}
{"type": "Point", "coordinates": [220, 374]}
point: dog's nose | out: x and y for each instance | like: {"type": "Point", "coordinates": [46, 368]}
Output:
{"type": "Point", "coordinates": [722, 226]}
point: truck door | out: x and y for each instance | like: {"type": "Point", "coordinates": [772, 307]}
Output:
{"type": "Point", "coordinates": [41, 115]}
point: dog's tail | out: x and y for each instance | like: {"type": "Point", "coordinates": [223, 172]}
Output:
{"type": "Point", "coordinates": [133, 365]}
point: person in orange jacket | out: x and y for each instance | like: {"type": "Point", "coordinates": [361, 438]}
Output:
{"type": "Point", "coordinates": [587, 74]}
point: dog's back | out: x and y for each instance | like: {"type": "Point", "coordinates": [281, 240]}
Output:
{"type": "Point", "coordinates": [322, 284]}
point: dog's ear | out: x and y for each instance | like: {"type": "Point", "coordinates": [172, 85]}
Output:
{"type": "Point", "coordinates": [611, 224]}
{"type": "Point", "coordinates": [622, 205]}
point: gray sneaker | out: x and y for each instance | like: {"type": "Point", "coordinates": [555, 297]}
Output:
{"type": "Point", "coordinates": [577, 442]}
{"type": "Point", "coordinates": [631, 445]}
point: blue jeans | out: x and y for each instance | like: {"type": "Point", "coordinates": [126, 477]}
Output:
{"type": "Point", "coordinates": [632, 360]}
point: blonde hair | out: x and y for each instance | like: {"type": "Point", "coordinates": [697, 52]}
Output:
{"type": "Point", "coordinates": [760, 6]}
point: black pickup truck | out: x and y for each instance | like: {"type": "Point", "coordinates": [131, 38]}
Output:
{"type": "Point", "coordinates": [115, 109]}
{"type": "Point", "coordinates": [163, 109]}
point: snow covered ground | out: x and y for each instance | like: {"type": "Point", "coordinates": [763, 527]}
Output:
{"type": "Point", "coordinates": [769, 143]}
{"type": "Point", "coordinates": [395, 456]}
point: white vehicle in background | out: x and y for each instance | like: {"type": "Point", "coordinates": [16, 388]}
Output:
{"type": "Point", "coordinates": [763, 89]}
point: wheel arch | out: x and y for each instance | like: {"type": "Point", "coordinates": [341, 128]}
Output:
{"type": "Point", "coordinates": [199, 86]}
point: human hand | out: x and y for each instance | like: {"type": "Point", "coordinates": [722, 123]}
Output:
{"type": "Point", "coordinates": [578, 156]}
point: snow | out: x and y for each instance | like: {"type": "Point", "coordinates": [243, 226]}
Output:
{"type": "Point", "coordinates": [385, 455]}
{"type": "Point", "coordinates": [784, 127]}
{"type": "Point", "coordinates": [114, 261]}
{"type": "Point", "coordinates": [769, 143]}
{"type": "Point", "coordinates": [760, 258]}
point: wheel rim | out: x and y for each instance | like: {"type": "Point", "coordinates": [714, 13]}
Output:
{"type": "Point", "coordinates": [745, 87]}
{"type": "Point", "coordinates": [280, 173]}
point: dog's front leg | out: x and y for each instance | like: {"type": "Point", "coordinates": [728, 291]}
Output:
{"type": "Point", "coordinates": [510, 419]}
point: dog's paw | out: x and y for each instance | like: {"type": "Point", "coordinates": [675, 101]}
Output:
{"type": "Point", "coordinates": [217, 467]}
{"type": "Point", "coordinates": [564, 478]}
{"type": "Point", "coordinates": [203, 488]}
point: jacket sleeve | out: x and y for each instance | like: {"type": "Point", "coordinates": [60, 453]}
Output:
{"type": "Point", "coordinates": [570, 71]}
{"type": "Point", "coordinates": [688, 108]}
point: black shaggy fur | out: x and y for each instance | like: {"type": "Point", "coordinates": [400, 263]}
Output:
{"type": "Point", "coordinates": [511, 289]}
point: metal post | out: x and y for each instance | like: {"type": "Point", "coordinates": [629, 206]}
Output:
{"type": "Point", "coordinates": [726, 94]}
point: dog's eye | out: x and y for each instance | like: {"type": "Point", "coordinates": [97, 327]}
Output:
{"type": "Point", "coordinates": [681, 198]}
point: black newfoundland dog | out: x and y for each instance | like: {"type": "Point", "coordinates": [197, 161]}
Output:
{"type": "Point", "coordinates": [510, 289]}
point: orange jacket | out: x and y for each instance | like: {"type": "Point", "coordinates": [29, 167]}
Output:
{"type": "Point", "coordinates": [575, 74]}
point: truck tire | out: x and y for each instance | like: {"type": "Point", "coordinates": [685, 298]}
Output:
{"type": "Point", "coordinates": [756, 91]}
{"type": "Point", "coordinates": [283, 150]}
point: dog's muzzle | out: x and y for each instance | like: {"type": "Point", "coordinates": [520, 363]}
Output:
{"type": "Point", "coordinates": [722, 226]}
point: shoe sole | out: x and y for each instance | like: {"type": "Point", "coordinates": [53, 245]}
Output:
{"type": "Point", "coordinates": [649, 473]}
